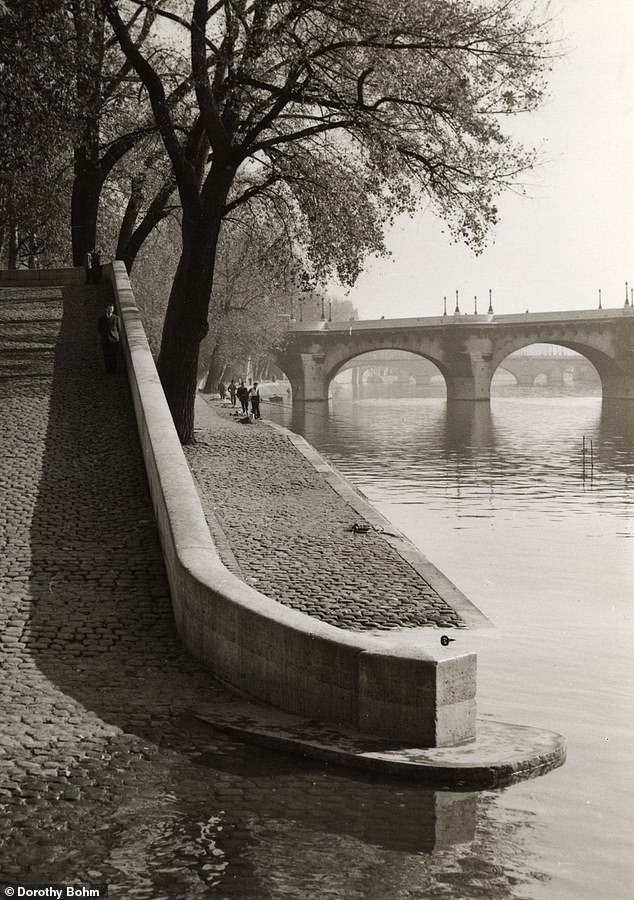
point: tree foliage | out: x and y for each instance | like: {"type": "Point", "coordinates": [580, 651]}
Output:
{"type": "Point", "coordinates": [337, 115]}
{"type": "Point", "coordinates": [37, 113]}
{"type": "Point", "coordinates": [257, 289]}
{"type": "Point", "coordinates": [74, 124]}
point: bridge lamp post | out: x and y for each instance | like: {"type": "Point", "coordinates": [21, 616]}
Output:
{"type": "Point", "coordinates": [456, 311]}
{"type": "Point", "coordinates": [627, 295]}
{"type": "Point", "coordinates": [475, 306]}
{"type": "Point", "coordinates": [301, 309]}
{"type": "Point", "coordinates": [323, 311]}
{"type": "Point", "coordinates": [490, 310]}
{"type": "Point", "coordinates": [330, 310]}
{"type": "Point", "coordinates": [292, 310]}
{"type": "Point", "coordinates": [600, 307]}
{"type": "Point", "coordinates": [444, 306]}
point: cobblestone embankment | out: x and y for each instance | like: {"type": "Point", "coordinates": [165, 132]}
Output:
{"type": "Point", "coordinates": [104, 776]}
{"type": "Point", "coordinates": [283, 529]}
{"type": "Point", "coordinates": [98, 772]}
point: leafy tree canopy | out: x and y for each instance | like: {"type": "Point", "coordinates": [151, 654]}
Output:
{"type": "Point", "coordinates": [334, 116]}
{"type": "Point", "coordinates": [361, 108]}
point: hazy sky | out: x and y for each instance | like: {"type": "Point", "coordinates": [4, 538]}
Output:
{"type": "Point", "coordinates": [574, 235]}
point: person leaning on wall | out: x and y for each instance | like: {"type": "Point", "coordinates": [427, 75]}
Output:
{"type": "Point", "coordinates": [109, 329]}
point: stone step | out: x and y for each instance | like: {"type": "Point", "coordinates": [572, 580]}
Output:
{"type": "Point", "coordinates": [9, 316]}
{"type": "Point", "coordinates": [29, 333]}
{"type": "Point", "coordinates": [29, 295]}
{"type": "Point", "coordinates": [13, 348]}
{"type": "Point", "coordinates": [24, 368]}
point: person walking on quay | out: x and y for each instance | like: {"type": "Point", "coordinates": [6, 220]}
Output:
{"type": "Point", "coordinates": [222, 389]}
{"type": "Point", "coordinates": [232, 392]}
{"type": "Point", "coordinates": [255, 400]}
{"type": "Point", "coordinates": [96, 266]}
{"type": "Point", "coordinates": [109, 329]}
{"type": "Point", "coordinates": [243, 396]}
{"type": "Point", "coordinates": [88, 266]}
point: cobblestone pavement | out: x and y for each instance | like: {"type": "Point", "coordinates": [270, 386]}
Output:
{"type": "Point", "coordinates": [288, 533]}
{"type": "Point", "coordinates": [98, 772]}
{"type": "Point", "coordinates": [104, 774]}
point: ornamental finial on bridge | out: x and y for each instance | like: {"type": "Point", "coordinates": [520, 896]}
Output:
{"type": "Point", "coordinates": [456, 311]}
{"type": "Point", "coordinates": [490, 311]}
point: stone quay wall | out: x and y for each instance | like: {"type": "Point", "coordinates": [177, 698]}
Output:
{"type": "Point", "coordinates": [276, 654]}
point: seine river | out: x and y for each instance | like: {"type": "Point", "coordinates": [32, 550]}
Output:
{"type": "Point", "coordinates": [540, 536]}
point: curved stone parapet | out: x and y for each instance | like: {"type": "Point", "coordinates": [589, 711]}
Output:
{"type": "Point", "coordinates": [425, 696]}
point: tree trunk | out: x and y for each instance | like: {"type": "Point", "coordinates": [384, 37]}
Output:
{"type": "Point", "coordinates": [14, 239]}
{"type": "Point", "coordinates": [131, 235]}
{"type": "Point", "coordinates": [132, 210]}
{"type": "Point", "coordinates": [87, 186]}
{"type": "Point", "coordinates": [186, 320]}
{"type": "Point", "coordinates": [186, 325]}
{"type": "Point", "coordinates": [215, 372]}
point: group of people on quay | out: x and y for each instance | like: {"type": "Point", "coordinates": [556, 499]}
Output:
{"type": "Point", "coordinates": [246, 394]}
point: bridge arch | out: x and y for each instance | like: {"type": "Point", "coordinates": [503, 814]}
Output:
{"type": "Point", "coordinates": [555, 369]}
{"type": "Point", "coordinates": [605, 367]}
{"type": "Point", "coordinates": [389, 366]}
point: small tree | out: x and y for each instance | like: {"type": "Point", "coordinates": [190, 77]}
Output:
{"type": "Point", "coordinates": [339, 115]}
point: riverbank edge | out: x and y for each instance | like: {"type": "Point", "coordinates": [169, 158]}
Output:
{"type": "Point", "coordinates": [424, 695]}
{"type": "Point", "coordinates": [354, 497]}
{"type": "Point", "coordinates": [208, 408]}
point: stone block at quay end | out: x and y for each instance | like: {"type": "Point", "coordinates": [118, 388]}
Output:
{"type": "Point", "coordinates": [422, 700]}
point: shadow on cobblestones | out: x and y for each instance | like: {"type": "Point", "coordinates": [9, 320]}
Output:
{"type": "Point", "coordinates": [105, 776]}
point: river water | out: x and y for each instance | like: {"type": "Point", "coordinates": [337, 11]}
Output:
{"type": "Point", "coordinates": [540, 536]}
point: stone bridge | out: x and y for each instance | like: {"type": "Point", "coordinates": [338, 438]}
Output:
{"type": "Point", "coordinates": [467, 349]}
